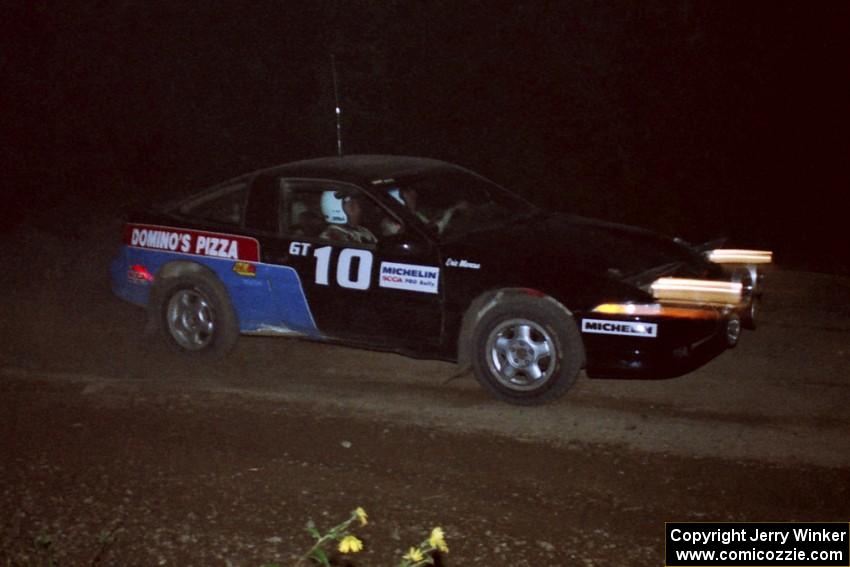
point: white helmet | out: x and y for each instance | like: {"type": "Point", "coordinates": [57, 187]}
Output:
{"type": "Point", "coordinates": [395, 193]}
{"type": "Point", "coordinates": [332, 208]}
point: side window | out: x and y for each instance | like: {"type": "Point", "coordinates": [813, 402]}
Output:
{"type": "Point", "coordinates": [301, 211]}
{"type": "Point", "coordinates": [225, 205]}
{"type": "Point", "coordinates": [332, 212]}
{"type": "Point", "coordinates": [261, 210]}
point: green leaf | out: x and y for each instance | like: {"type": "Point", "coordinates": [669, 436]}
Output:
{"type": "Point", "coordinates": [320, 556]}
{"type": "Point", "coordinates": [43, 541]}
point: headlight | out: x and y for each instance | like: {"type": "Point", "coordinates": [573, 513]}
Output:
{"type": "Point", "coordinates": [655, 310]}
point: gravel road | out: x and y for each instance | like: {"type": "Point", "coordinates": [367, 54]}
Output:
{"type": "Point", "coordinates": [121, 453]}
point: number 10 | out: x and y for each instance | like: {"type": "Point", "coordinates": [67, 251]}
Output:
{"type": "Point", "coordinates": [361, 279]}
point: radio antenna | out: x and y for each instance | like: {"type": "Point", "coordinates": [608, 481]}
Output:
{"type": "Point", "coordinates": [338, 109]}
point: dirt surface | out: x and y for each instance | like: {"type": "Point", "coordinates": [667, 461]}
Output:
{"type": "Point", "coordinates": [121, 453]}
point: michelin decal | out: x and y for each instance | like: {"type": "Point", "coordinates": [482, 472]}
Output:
{"type": "Point", "coordinates": [409, 277]}
{"type": "Point", "coordinates": [627, 328]}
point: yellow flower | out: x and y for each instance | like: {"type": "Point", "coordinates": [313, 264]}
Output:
{"type": "Point", "coordinates": [361, 515]}
{"type": "Point", "coordinates": [436, 540]}
{"type": "Point", "coordinates": [350, 544]}
{"type": "Point", "coordinates": [414, 555]}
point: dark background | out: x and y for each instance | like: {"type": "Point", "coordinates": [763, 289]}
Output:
{"type": "Point", "coordinates": [697, 119]}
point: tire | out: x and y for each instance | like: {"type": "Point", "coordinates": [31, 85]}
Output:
{"type": "Point", "coordinates": [526, 350]}
{"type": "Point", "coordinates": [749, 316]}
{"type": "Point", "coordinates": [194, 315]}
{"type": "Point", "coordinates": [749, 313]}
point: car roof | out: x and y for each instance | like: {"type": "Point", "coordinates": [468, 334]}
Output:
{"type": "Point", "coordinates": [360, 169]}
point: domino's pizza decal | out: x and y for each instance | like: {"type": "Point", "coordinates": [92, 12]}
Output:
{"type": "Point", "coordinates": [194, 242]}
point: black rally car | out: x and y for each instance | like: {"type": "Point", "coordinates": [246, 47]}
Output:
{"type": "Point", "coordinates": [428, 259]}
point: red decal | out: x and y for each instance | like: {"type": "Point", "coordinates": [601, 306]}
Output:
{"type": "Point", "coordinates": [195, 242]}
{"type": "Point", "coordinates": [532, 292]}
{"type": "Point", "coordinates": [245, 269]}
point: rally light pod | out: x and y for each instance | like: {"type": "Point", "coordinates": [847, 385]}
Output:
{"type": "Point", "coordinates": [697, 291]}
{"type": "Point", "coordinates": [735, 256]}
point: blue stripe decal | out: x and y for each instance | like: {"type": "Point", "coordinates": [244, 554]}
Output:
{"type": "Point", "coordinates": [273, 298]}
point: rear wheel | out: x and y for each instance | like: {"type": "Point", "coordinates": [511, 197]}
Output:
{"type": "Point", "coordinates": [526, 350]}
{"type": "Point", "coordinates": [195, 315]}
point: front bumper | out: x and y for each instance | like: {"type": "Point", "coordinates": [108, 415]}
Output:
{"type": "Point", "coordinates": [674, 347]}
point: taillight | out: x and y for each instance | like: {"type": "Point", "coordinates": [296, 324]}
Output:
{"type": "Point", "coordinates": [141, 273]}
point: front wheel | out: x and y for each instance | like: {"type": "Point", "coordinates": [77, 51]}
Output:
{"type": "Point", "coordinates": [196, 316]}
{"type": "Point", "coordinates": [526, 350]}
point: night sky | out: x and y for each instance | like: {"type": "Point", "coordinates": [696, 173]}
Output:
{"type": "Point", "coordinates": [697, 119]}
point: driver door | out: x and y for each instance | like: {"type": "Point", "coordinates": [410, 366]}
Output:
{"type": "Point", "coordinates": [388, 294]}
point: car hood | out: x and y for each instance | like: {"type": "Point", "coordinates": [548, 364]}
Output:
{"type": "Point", "coordinates": [587, 245]}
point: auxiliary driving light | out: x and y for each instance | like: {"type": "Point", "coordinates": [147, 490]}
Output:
{"type": "Point", "coordinates": [733, 256]}
{"type": "Point", "coordinates": [697, 291]}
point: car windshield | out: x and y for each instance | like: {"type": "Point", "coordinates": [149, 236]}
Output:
{"type": "Point", "coordinates": [452, 203]}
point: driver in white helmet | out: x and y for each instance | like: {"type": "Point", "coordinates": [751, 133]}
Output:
{"type": "Point", "coordinates": [343, 213]}
{"type": "Point", "coordinates": [408, 197]}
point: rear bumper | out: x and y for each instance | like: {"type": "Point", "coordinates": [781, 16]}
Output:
{"type": "Point", "coordinates": [127, 284]}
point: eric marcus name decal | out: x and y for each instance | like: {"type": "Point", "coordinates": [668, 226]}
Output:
{"type": "Point", "coordinates": [627, 328]}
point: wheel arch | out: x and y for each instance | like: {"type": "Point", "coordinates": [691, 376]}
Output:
{"type": "Point", "coordinates": [170, 271]}
{"type": "Point", "coordinates": [486, 301]}
{"type": "Point", "coordinates": [177, 268]}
